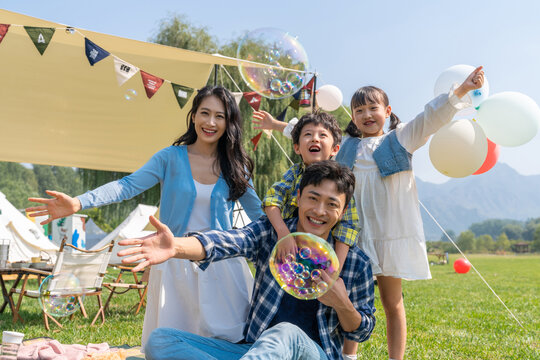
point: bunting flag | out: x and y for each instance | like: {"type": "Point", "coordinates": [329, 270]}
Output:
{"type": "Point", "coordinates": [255, 140]}
{"type": "Point", "coordinates": [41, 36]}
{"type": "Point", "coordinates": [151, 83]}
{"type": "Point", "coordinates": [3, 31]}
{"type": "Point", "coordinates": [253, 99]}
{"type": "Point", "coordinates": [281, 117]}
{"type": "Point", "coordinates": [237, 97]}
{"type": "Point", "coordinates": [124, 70]}
{"type": "Point", "coordinates": [182, 94]}
{"type": "Point", "coordinates": [295, 104]}
{"type": "Point", "coordinates": [310, 84]}
{"type": "Point", "coordinates": [93, 52]}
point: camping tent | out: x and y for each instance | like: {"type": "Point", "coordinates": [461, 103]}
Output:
{"type": "Point", "coordinates": [133, 226]}
{"type": "Point", "coordinates": [57, 109]}
{"type": "Point", "coordinates": [25, 238]}
{"type": "Point", "coordinates": [94, 234]}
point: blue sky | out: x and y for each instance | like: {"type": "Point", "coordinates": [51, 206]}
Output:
{"type": "Point", "coordinates": [400, 46]}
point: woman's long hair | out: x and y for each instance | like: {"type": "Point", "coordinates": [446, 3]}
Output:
{"type": "Point", "coordinates": [369, 95]}
{"type": "Point", "coordinates": [235, 165]}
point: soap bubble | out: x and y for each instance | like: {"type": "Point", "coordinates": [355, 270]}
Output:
{"type": "Point", "coordinates": [300, 275]}
{"type": "Point", "coordinates": [130, 94]}
{"type": "Point", "coordinates": [278, 49]}
{"type": "Point", "coordinates": [58, 294]}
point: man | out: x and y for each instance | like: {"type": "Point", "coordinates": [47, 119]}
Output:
{"type": "Point", "coordinates": [279, 326]}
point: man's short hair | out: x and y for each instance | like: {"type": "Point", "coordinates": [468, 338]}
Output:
{"type": "Point", "coordinates": [342, 176]}
{"type": "Point", "coordinates": [328, 121]}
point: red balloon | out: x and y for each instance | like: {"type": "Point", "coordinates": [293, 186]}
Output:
{"type": "Point", "coordinates": [491, 158]}
{"type": "Point", "coordinates": [462, 266]}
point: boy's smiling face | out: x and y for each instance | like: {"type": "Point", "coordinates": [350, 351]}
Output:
{"type": "Point", "coordinates": [315, 143]}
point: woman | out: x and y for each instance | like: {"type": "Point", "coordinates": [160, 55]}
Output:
{"type": "Point", "coordinates": [201, 175]}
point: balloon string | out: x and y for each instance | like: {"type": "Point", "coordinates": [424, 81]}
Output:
{"type": "Point", "coordinates": [477, 272]}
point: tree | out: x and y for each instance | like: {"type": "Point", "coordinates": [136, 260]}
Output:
{"type": "Point", "coordinates": [503, 244]}
{"type": "Point", "coordinates": [466, 241]}
{"type": "Point", "coordinates": [513, 231]}
{"type": "Point", "coordinates": [17, 183]}
{"type": "Point", "coordinates": [484, 243]}
{"type": "Point", "coordinates": [536, 241]}
{"type": "Point", "coordinates": [530, 228]}
{"type": "Point", "coordinates": [491, 227]}
{"type": "Point", "coordinates": [450, 233]}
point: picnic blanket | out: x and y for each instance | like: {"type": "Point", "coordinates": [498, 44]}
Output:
{"type": "Point", "coordinates": [49, 349]}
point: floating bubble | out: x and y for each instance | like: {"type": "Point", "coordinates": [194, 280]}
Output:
{"type": "Point", "coordinates": [300, 275]}
{"type": "Point", "coordinates": [130, 94]}
{"type": "Point", "coordinates": [58, 294]}
{"type": "Point", "coordinates": [305, 253]}
{"type": "Point", "coordinates": [322, 287]}
{"type": "Point", "coordinates": [282, 52]}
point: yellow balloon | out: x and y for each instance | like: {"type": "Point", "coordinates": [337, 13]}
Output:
{"type": "Point", "coordinates": [459, 148]}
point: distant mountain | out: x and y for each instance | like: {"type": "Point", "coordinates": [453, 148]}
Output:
{"type": "Point", "coordinates": [501, 193]}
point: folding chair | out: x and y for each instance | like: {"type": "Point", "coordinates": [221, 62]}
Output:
{"type": "Point", "coordinates": [120, 287]}
{"type": "Point", "coordinates": [88, 266]}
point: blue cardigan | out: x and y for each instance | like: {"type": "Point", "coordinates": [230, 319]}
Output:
{"type": "Point", "coordinates": [171, 168]}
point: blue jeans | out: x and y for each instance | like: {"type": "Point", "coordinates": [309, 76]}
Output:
{"type": "Point", "coordinates": [283, 341]}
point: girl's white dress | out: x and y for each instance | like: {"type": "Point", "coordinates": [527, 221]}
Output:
{"type": "Point", "coordinates": [391, 231]}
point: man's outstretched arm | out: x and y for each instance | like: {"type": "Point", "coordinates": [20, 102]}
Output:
{"type": "Point", "coordinates": [159, 247]}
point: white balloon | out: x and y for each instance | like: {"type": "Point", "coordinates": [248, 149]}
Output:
{"type": "Point", "coordinates": [459, 148]}
{"type": "Point", "coordinates": [509, 118]}
{"type": "Point", "coordinates": [329, 97]}
{"type": "Point", "coordinates": [456, 75]}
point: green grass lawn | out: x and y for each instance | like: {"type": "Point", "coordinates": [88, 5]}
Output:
{"type": "Point", "coordinates": [452, 316]}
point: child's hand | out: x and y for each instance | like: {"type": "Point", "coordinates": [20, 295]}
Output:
{"type": "Point", "coordinates": [263, 121]}
{"type": "Point", "coordinates": [285, 247]}
{"type": "Point", "coordinates": [474, 81]}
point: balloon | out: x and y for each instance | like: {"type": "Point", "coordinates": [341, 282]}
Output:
{"type": "Point", "coordinates": [491, 158]}
{"type": "Point", "coordinates": [57, 294]}
{"type": "Point", "coordinates": [456, 75]}
{"type": "Point", "coordinates": [329, 97]}
{"type": "Point", "coordinates": [300, 274]}
{"type": "Point", "coordinates": [278, 49]}
{"type": "Point", "coordinates": [509, 118]}
{"type": "Point", "coordinates": [462, 266]}
{"type": "Point", "coordinates": [459, 148]}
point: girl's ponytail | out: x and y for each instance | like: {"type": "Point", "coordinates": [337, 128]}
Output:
{"type": "Point", "coordinates": [352, 130]}
{"type": "Point", "coordinates": [394, 121]}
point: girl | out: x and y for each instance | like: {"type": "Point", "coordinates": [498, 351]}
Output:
{"type": "Point", "coordinates": [201, 175]}
{"type": "Point", "coordinates": [387, 201]}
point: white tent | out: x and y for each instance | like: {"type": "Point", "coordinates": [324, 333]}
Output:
{"type": "Point", "coordinates": [133, 226]}
{"type": "Point", "coordinates": [94, 234]}
{"type": "Point", "coordinates": [240, 218]}
{"type": "Point", "coordinates": [25, 238]}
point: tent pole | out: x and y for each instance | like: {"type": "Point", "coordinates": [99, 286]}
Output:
{"type": "Point", "coordinates": [313, 92]}
{"type": "Point", "coordinates": [215, 74]}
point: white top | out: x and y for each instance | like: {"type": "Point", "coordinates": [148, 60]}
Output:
{"type": "Point", "coordinates": [391, 226]}
{"type": "Point", "coordinates": [199, 219]}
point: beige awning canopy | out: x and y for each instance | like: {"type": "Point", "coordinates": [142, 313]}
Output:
{"type": "Point", "coordinates": [56, 109]}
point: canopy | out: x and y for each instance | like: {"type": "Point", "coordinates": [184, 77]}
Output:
{"type": "Point", "coordinates": [24, 237]}
{"type": "Point", "coordinates": [57, 109]}
{"type": "Point", "coordinates": [132, 227]}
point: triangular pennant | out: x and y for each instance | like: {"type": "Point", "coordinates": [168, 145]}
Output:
{"type": "Point", "coordinates": [255, 140]}
{"type": "Point", "coordinates": [281, 117]}
{"type": "Point", "coordinates": [41, 37]}
{"type": "Point", "coordinates": [182, 94]}
{"type": "Point", "coordinates": [296, 95]}
{"type": "Point", "coordinates": [238, 97]}
{"type": "Point", "coordinates": [93, 52]}
{"type": "Point", "coordinates": [3, 31]}
{"type": "Point", "coordinates": [310, 84]}
{"type": "Point", "coordinates": [253, 99]}
{"type": "Point", "coordinates": [124, 70]}
{"type": "Point", "coordinates": [151, 83]}
{"type": "Point", "coordinates": [295, 104]}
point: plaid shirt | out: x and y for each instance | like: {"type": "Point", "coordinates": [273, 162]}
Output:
{"type": "Point", "coordinates": [256, 241]}
{"type": "Point", "coordinates": [284, 193]}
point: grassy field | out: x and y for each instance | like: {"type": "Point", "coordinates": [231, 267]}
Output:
{"type": "Point", "coordinates": [452, 316]}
